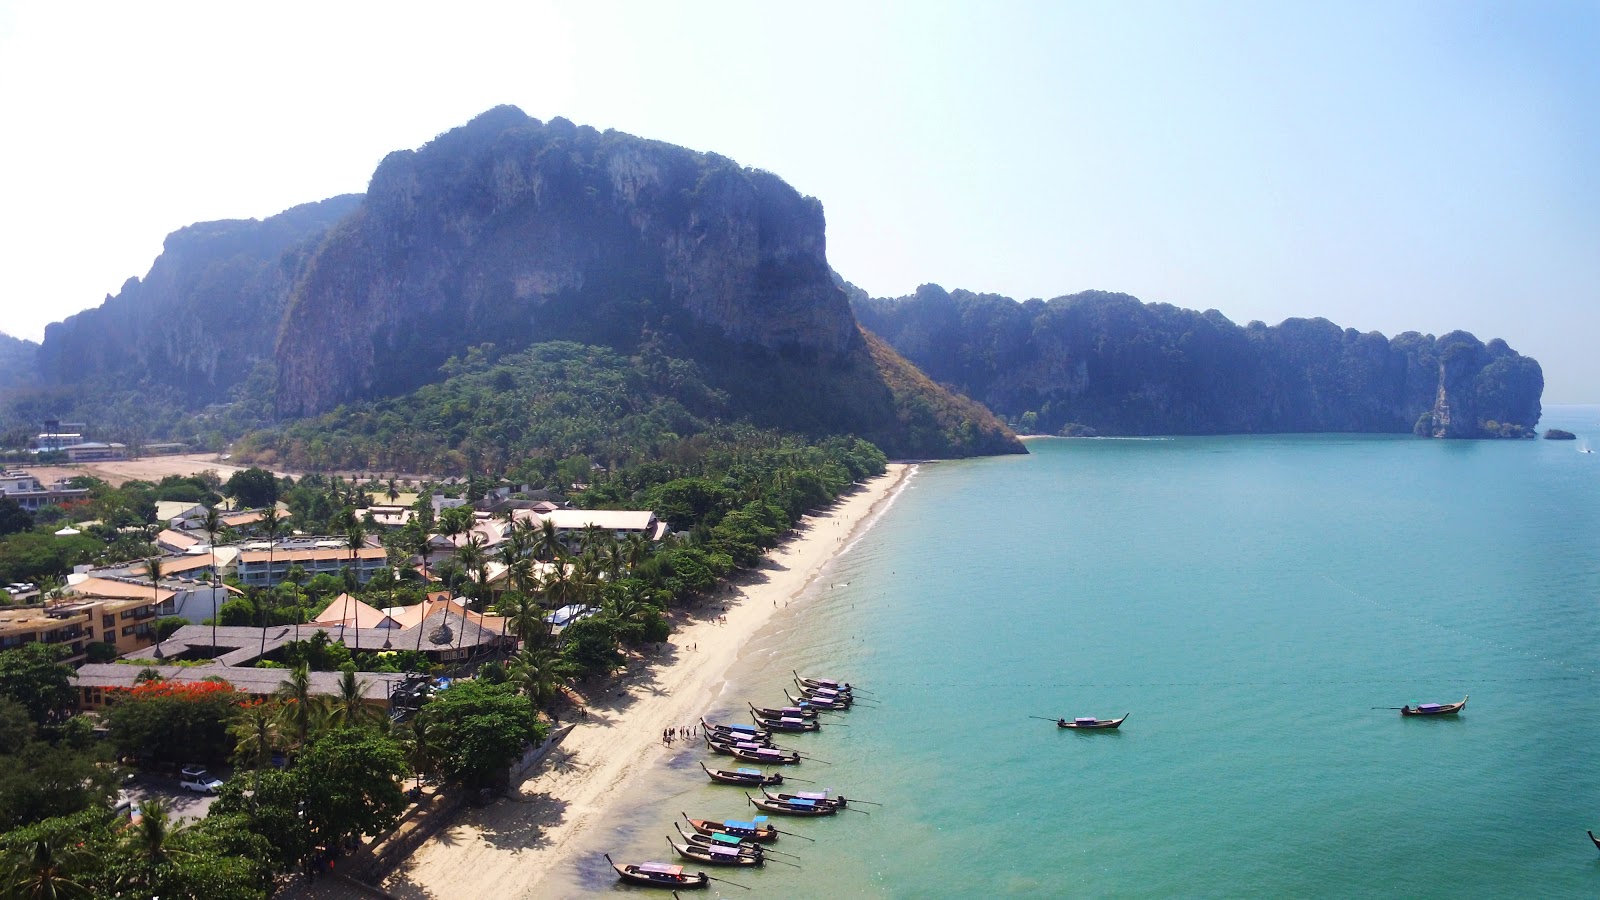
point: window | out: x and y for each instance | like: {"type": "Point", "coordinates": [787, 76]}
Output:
{"type": "Point", "coordinates": [108, 621]}
{"type": "Point", "coordinates": [111, 636]}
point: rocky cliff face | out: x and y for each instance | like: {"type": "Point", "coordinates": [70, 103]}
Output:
{"type": "Point", "coordinates": [202, 318]}
{"type": "Point", "coordinates": [1118, 366]}
{"type": "Point", "coordinates": [18, 362]}
{"type": "Point", "coordinates": [510, 231]}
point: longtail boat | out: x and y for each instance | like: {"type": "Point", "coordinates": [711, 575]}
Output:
{"type": "Point", "coordinates": [819, 798]}
{"type": "Point", "coordinates": [789, 724]}
{"type": "Point", "coordinates": [792, 807]}
{"type": "Point", "coordinates": [818, 702]}
{"type": "Point", "coordinates": [757, 830]}
{"type": "Point", "coordinates": [746, 777]}
{"type": "Point", "coordinates": [660, 875]}
{"type": "Point", "coordinates": [726, 745]}
{"type": "Point", "coordinates": [771, 756]}
{"type": "Point", "coordinates": [1595, 839]}
{"type": "Point", "coordinates": [1092, 723]}
{"type": "Point", "coordinates": [803, 711]}
{"type": "Point", "coordinates": [827, 683]}
{"type": "Point", "coordinates": [720, 840]}
{"type": "Point", "coordinates": [743, 732]}
{"type": "Point", "coordinates": [717, 856]}
{"type": "Point", "coordinates": [824, 691]}
{"type": "Point", "coordinates": [1434, 709]}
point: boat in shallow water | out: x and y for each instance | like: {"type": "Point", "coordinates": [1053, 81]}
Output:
{"type": "Point", "coordinates": [745, 777]}
{"type": "Point", "coordinates": [793, 807]}
{"type": "Point", "coordinates": [660, 875]}
{"type": "Point", "coordinates": [1434, 709]}
{"type": "Point", "coordinates": [718, 856]}
{"type": "Point", "coordinates": [756, 830]}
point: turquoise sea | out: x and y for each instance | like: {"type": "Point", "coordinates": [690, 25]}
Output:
{"type": "Point", "coordinates": [1257, 604]}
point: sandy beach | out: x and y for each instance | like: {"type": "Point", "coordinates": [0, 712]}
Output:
{"type": "Point", "coordinates": [510, 848]}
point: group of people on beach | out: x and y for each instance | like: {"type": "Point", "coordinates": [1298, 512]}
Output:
{"type": "Point", "coordinates": [682, 732]}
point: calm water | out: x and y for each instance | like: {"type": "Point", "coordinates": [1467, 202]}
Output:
{"type": "Point", "coordinates": [1249, 601]}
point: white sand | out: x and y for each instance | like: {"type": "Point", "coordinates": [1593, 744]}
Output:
{"type": "Point", "coordinates": [506, 850]}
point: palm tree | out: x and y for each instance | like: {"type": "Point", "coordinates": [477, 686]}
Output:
{"type": "Point", "coordinates": [212, 525]}
{"type": "Point", "coordinates": [299, 710]}
{"type": "Point", "coordinates": [547, 541]}
{"type": "Point", "coordinates": [475, 562]}
{"type": "Point", "coordinates": [420, 745]}
{"type": "Point", "coordinates": [524, 616]}
{"type": "Point", "coordinates": [533, 672]}
{"type": "Point", "coordinates": [256, 735]}
{"type": "Point", "coordinates": [156, 838]}
{"type": "Point", "coordinates": [349, 708]}
{"type": "Point", "coordinates": [393, 493]}
{"type": "Point", "coordinates": [270, 522]}
{"type": "Point", "coordinates": [40, 871]}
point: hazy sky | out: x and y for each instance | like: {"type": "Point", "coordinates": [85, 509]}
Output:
{"type": "Point", "coordinates": [1393, 166]}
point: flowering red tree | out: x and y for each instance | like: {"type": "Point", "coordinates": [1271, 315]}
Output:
{"type": "Point", "coordinates": [175, 722]}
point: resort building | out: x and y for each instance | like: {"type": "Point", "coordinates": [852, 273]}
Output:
{"type": "Point", "coordinates": [31, 495]}
{"type": "Point", "coordinates": [177, 596]}
{"type": "Point", "coordinates": [264, 565]}
{"type": "Point", "coordinates": [126, 624]}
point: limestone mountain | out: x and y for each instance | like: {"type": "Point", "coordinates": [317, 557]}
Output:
{"type": "Point", "coordinates": [1109, 363]}
{"type": "Point", "coordinates": [202, 318]}
{"type": "Point", "coordinates": [18, 362]}
{"type": "Point", "coordinates": [510, 231]}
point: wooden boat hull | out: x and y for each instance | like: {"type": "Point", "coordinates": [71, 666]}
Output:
{"type": "Point", "coordinates": [777, 807]}
{"type": "Point", "coordinates": [792, 759]}
{"type": "Point", "coordinates": [1595, 839]}
{"type": "Point", "coordinates": [768, 835]}
{"type": "Point", "coordinates": [703, 854]}
{"type": "Point", "coordinates": [793, 727]}
{"type": "Point", "coordinates": [687, 882]}
{"type": "Point", "coordinates": [1448, 709]}
{"type": "Point", "coordinates": [835, 802]}
{"type": "Point", "coordinates": [706, 840]}
{"type": "Point", "coordinates": [726, 747]}
{"type": "Point", "coordinates": [1096, 725]}
{"type": "Point", "coordinates": [802, 712]}
{"type": "Point", "coordinates": [710, 728]}
{"type": "Point", "coordinates": [818, 702]}
{"type": "Point", "coordinates": [743, 779]}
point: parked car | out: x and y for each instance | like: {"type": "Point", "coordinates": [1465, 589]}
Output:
{"type": "Point", "coordinates": [197, 779]}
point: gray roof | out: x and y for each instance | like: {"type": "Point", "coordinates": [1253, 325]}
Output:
{"type": "Point", "coordinates": [247, 644]}
{"type": "Point", "coordinates": [259, 682]}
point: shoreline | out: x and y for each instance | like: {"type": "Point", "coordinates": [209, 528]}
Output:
{"type": "Point", "coordinates": [512, 847]}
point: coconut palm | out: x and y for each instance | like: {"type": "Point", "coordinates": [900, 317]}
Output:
{"type": "Point", "coordinates": [157, 838]}
{"type": "Point", "coordinates": [474, 562]}
{"type": "Point", "coordinates": [256, 735]}
{"type": "Point", "coordinates": [421, 746]}
{"type": "Point", "coordinates": [39, 870]}
{"type": "Point", "coordinates": [300, 711]}
{"type": "Point", "coordinates": [212, 525]}
{"type": "Point", "coordinates": [533, 671]}
{"type": "Point", "coordinates": [547, 543]}
{"type": "Point", "coordinates": [271, 524]}
{"type": "Point", "coordinates": [349, 708]}
{"type": "Point", "coordinates": [524, 616]}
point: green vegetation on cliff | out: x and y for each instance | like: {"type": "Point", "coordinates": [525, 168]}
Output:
{"type": "Point", "coordinates": [524, 412]}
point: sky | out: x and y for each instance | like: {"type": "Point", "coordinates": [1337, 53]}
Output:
{"type": "Point", "coordinates": [1423, 166]}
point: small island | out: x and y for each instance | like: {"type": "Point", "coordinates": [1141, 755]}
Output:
{"type": "Point", "coordinates": [1556, 434]}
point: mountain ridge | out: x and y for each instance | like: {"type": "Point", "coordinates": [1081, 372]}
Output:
{"type": "Point", "coordinates": [1109, 363]}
